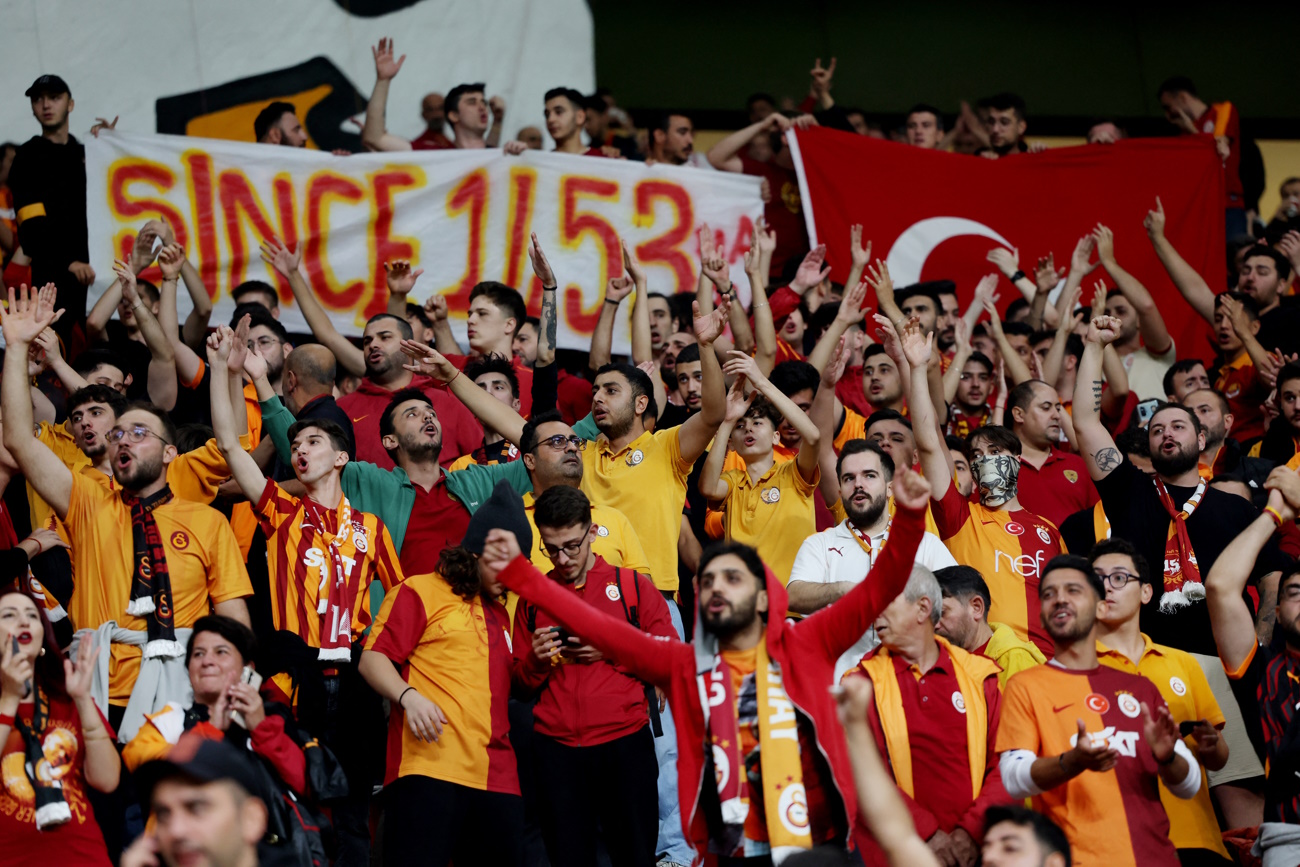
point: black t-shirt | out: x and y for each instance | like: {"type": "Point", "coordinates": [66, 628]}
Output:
{"type": "Point", "coordinates": [134, 354]}
{"type": "Point", "coordinates": [1279, 328]}
{"type": "Point", "coordinates": [1079, 532]}
{"type": "Point", "coordinates": [321, 407]}
{"type": "Point", "coordinates": [1268, 691]}
{"type": "Point", "coordinates": [672, 416]}
{"type": "Point", "coordinates": [1133, 506]}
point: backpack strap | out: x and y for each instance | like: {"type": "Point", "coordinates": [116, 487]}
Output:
{"type": "Point", "coordinates": [633, 617]}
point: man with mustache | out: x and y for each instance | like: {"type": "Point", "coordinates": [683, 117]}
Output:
{"type": "Point", "coordinates": [1175, 519]}
{"type": "Point", "coordinates": [1089, 743]}
{"type": "Point", "coordinates": [1053, 482]}
{"type": "Point", "coordinates": [1006, 542]}
{"type": "Point", "coordinates": [831, 563]}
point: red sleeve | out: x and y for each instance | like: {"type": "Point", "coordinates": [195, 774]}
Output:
{"type": "Point", "coordinates": [951, 513]}
{"type": "Point", "coordinates": [272, 743]}
{"type": "Point", "coordinates": [651, 659]}
{"type": "Point", "coordinates": [654, 615]}
{"type": "Point", "coordinates": [401, 627]}
{"type": "Point", "coordinates": [837, 627]}
{"type": "Point", "coordinates": [527, 673]}
{"type": "Point", "coordinates": [993, 794]}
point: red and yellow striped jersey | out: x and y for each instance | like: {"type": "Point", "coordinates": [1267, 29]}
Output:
{"type": "Point", "coordinates": [457, 654]}
{"type": "Point", "coordinates": [1010, 549]}
{"type": "Point", "coordinates": [296, 552]}
{"type": "Point", "coordinates": [1113, 818]}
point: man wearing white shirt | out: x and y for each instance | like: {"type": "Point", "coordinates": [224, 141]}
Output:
{"type": "Point", "coordinates": [830, 563]}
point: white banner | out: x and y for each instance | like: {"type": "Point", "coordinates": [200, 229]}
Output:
{"type": "Point", "coordinates": [462, 216]}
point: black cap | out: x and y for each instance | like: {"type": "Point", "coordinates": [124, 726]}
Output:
{"type": "Point", "coordinates": [504, 509]}
{"type": "Point", "coordinates": [48, 84]}
{"type": "Point", "coordinates": [201, 760]}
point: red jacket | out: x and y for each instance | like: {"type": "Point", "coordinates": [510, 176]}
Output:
{"type": "Point", "coordinates": [461, 431]}
{"type": "Point", "coordinates": [806, 651]}
{"type": "Point", "coordinates": [585, 705]}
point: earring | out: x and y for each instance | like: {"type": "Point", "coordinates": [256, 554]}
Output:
{"type": "Point", "coordinates": [42, 653]}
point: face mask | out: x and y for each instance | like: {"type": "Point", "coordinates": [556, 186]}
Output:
{"type": "Point", "coordinates": [996, 477]}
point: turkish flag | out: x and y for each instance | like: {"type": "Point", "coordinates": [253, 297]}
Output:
{"type": "Point", "coordinates": [933, 215]}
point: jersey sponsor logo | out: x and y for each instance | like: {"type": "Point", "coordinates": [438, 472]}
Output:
{"type": "Point", "coordinates": [793, 808]}
{"type": "Point", "coordinates": [770, 495]}
{"type": "Point", "coordinates": [1096, 702]}
{"type": "Point", "coordinates": [959, 701]}
{"type": "Point", "coordinates": [1124, 743]}
{"type": "Point", "coordinates": [602, 530]}
{"type": "Point", "coordinates": [1062, 707]}
{"type": "Point", "coordinates": [1177, 685]}
{"type": "Point", "coordinates": [1024, 566]}
{"type": "Point", "coordinates": [1129, 705]}
{"type": "Point", "coordinates": [635, 458]}
{"type": "Point", "coordinates": [1014, 529]}
{"type": "Point", "coordinates": [315, 558]}
{"type": "Point", "coordinates": [180, 540]}
{"type": "Point", "coordinates": [1044, 535]}
{"type": "Point", "coordinates": [358, 418]}
{"type": "Point", "coordinates": [838, 551]}
{"type": "Point", "coordinates": [611, 590]}
{"type": "Point", "coordinates": [1070, 476]}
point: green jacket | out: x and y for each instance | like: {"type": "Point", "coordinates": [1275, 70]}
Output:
{"type": "Point", "coordinates": [390, 494]}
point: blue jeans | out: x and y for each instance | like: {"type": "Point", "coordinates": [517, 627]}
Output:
{"type": "Point", "coordinates": [672, 843]}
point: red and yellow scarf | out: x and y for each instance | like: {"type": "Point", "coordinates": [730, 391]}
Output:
{"type": "Point", "coordinates": [1182, 575]}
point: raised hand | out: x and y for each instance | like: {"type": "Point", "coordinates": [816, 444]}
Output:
{"type": "Point", "coordinates": [170, 260]}
{"type": "Point", "coordinates": [1105, 239]}
{"type": "Point", "coordinates": [1081, 261]}
{"type": "Point", "coordinates": [1283, 486]}
{"type": "Point", "coordinates": [821, 78]}
{"type": "Point", "coordinates": [861, 255]}
{"type": "Point", "coordinates": [497, 105]}
{"type": "Point", "coordinates": [102, 124]}
{"type": "Point", "coordinates": [718, 272]}
{"type": "Point", "coordinates": [709, 328]}
{"type": "Point", "coordinates": [428, 361]}
{"type": "Point", "coordinates": [839, 361]}
{"type": "Point", "coordinates": [48, 344]}
{"type": "Point", "coordinates": [500, 548]}
{"type": "Point", "coordinates": [1271, 365]}
{"type": "Point", "coordinates": [631, 267]}
{"type": "Point", "coordinates": [765, 238]}
{"type": "Point", "coordinates": [619, 288]}
{"type": "Point", "coordinates": [888, 337]}
{"type": "Point", "coordinates": [1046, 276]}
{"type": "Point", "coordinates": [741, 365]}
{"type": "Point", "coordinates": [436, 308]}
{"type": "Point", "coordinates": [1237, 313]}
{"type": "Point", "coordinates": [852, 305]}
{"type": "Point", "coordinates": [917, 345]}
{"type": "Point", "coordinates": [811, 273]}
{"type": "Point", "coordinates": [26, 317]}
{"type": "Point", "coordinates": [1099, 293]}
{"type": "Point", "coordinates": [142, 252]}
{"type": "Point", "coordinates": [16, 670]}
{"type": "Point", "coordinates": [239, 344]}
{"type": "Point", "coordinates": [1103, 330]}
{"type": "Point", "coordinates": [541, 267]}
{"type": "Point", "coordinates": [1007, 261]}
{"type": "Point", "coordinates": [255, 366]}
{"type": "Point", "coordinates": [1154, 222]}
{"type": "Point", "coordinates": [385, 67]}
{"type": "Point", "coordinates": [853, 699]}
{"type": "Point", "coordinates": [986, 290]}
{"type": "Point", "coordinates": [219, 343]}
{"type": "Point", "coordinates": [400, 278]}
{"type": "Point", "coordinates": [126, 275]}
{"type": "Point", "coordinates": [1090, 756]}
{"type": "Point", "coordinates": [708, 244]}
{"type": "Point", "coordinates": [280, 257]}
{"type": "Point", "coordinates": [911, 490]}
{"type": "Point", "coordinates": [1160, 731]}
{"type": "Point", "coordinates": [878, 276]}
{"type": "Point", "coordinates": [737, 402]}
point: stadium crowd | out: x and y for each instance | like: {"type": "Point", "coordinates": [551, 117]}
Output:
{"type": "Point", "coordinates": [296, 599]}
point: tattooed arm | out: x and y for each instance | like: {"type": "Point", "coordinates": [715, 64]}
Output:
{"type": "Point", "coordinates": [548, 322]}
{"type": "Point", "coordinates": [1095, 442]}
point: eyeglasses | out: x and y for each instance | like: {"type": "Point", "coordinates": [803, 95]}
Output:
{"type": "Point", "coordinates": [135, 435]}
{"type": "Point", "coordinates": [570, 551]}
{"type": "Point", "coordinates": [560, 441]}
{"type": "Point", "coordinates": [1116, 580]}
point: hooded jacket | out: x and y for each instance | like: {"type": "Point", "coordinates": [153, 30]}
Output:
{"type": "Point", "coordinates": [806, 651]}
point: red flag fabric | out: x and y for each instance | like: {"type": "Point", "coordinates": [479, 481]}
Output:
{"type": "Point", "coordinates": [933, 215]}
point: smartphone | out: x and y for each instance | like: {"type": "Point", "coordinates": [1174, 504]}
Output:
{"type": "Point", "coordinates": [1187, 726]}
{"type": "Point", "coordinates": [253, 679]}
{"type": "Point", "coordinates": [1146, 409]}
{"type": "Point", "coordinates": [157, 245]}
{"type": "Point", "coordinates": [561, 635]}
{"type": "Point", "coordinates": [16, 648]}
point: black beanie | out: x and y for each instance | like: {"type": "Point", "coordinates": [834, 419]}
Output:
{"type": "Point", "coordinates": [504, 509]}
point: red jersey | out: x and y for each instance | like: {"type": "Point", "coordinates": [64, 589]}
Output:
{"type": "Point", "coordinates": [432, 141]}
{"type": "Point", "coordinates": [1246, 394]}
{"type": "Point", "coordinates": [784, 211]}
{"type": "Point", "coordinates": [1058, 489]}
{"type": "Point", "coordinates": [961, 423]}
{"type": "Point", "coordinates": [573, 397]}
{"type": "Point", "coordinates": [461, 431]}
{"type": "Point", "coordinates": [522, 371]}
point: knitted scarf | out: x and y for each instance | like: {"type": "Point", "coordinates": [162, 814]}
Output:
{"type": "Point", "coordinates": [1182, 585]}
{"type": "Point", "coordinates": [334, 602]}
{"type": "Point", "coordinates": [151, 585]}
{"type": "Point", "coordinates": [51, 809]}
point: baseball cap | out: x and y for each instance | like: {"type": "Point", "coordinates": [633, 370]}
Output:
{"type": "Point", "coordinates": [201, 760]}
{"type": "Point", "coordinates": [51, 84]}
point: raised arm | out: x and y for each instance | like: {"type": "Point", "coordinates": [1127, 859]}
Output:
{"type": "Point", "coordinates": [925, 428]}
{"type": "Point", "coordinates": [400, 281]}
{"type": "Point", "coordinates": [375, 135]}
{"type": "Point", "coordinates": [1016, 367]}
{"type": "Point", "coordinates": [171, 259]}
{"type": "Point", "coordinates": [1150, 323]}
{"type": "Point", "coordinates": [695, 433]}
{"type": "Point", "coordinates": [162, 364]}
{"type": "Point", "coordinates": [48, 341]}
{"type": "Point", "coordinates": [1056, 354]}
{"type": "Point", "coordinates": [879, 279]}
{"type": "Point", "coordinates": [985, 290]}
{"type": "Point", "coordinates": [1008, 262]}
{"type": "Point", "coordinates": [825, 411]}
{"type": "Point", "coordinates": [285, 262]}
{"type": "Point", "coordinates": [712, 485]}
{"type": "Point", "coordinates": [962, 350]}
{"type": "Point", "coordinates": [548, 322]}
{"type": "Point", "coordinates": [1189, 283]}
{"type": "Point", "coordinates": [725, 155]}
{"type": "Point", "coordinates": [618, 288]}
{"type": "Point", "coordinates": [195, 329]}
{"type": "Point", "coordinates": [880, 806]}
{"type": "Point", "coordinates": [851, 313]}
{"type": "Point", "coordinates": [243, 469]}
{"type": "Point", "coordinates": [1095, 442]}
{"type": "Point", "coordinates": [739, 364]}
{"type": "Point", "coordinates": [1046, 276]}
{"type": "Point", "coordinates": [714, 273]}
{"type": "Point", "coordinates": [487, 409]}
{"type": "Point", "coordinates": [757, 260]}
{"type": "Point", "coordinates": [1245, 330]}
{"type": "Point", "coordinates": [29, 313]}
